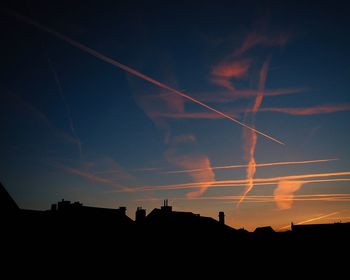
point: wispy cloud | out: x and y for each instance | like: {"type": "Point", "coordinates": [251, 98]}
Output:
{"type": "Point", "coordinates": [223, 72]}
{"type": "Point", "coordinates": [183, 139]}
{"type": "Point", "coordinates": [201, 162]}
{"type": "Point", "coordinates": [232, 69]}
{"type": "Point", "coordinates": [253, 39]}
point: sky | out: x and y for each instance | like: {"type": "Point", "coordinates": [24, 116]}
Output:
{"type": "Point", "coordinates": [234, 106]}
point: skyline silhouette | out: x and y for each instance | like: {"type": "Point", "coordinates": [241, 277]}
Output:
{"type": "Point", "coordinates": [76, 212]}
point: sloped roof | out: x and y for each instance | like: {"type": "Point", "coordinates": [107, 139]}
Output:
{"type": "Point", "coordinates": [7, 204]}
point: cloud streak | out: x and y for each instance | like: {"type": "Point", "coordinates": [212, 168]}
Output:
{"type": "Point", "coordinates": [92, 177]}
{"type": "Point", "coordinates": [255, 38]}
{"type": "Point", "coordinates": [66, 105]}
{"type": "Point", "coordinates": [281, 163]}
{"type": "Point", "coordinates": [296, 111]}
{"type": "Point", "coordinates": [116, 177]}
{"type": "Point", "coordinates": [133, 71]}
{"type": "Point", "coordinates": [312, 219]}
{"type": "Point", "coordinates": [306, 178]}
{"type": "Point", "coordinates": [231, 96]}
{"type": "Point", "coordinates": [320, 109]}
{"type": "Point", "coordinates": [270, 199]}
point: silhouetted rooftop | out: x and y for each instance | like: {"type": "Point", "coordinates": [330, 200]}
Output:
{"type": "Point", "coordinates": [7, 204]}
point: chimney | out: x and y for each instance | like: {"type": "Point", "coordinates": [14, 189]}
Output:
{"type": "Point", "coordinates": [140, 215]}
{"type": "Point", "coordinates": [122, 210]}
{"type": "Point", "coordinates": [53, 207]}
{"type": "Point", "coordinates": [63, 205]}
{"type": "Point", "coordinates": [221, 217]}
{"type": "Point", "coordinates": [166, 208]}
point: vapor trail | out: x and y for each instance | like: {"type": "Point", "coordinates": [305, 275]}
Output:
{"type": "Point", "coordinates": [149, 169]}
{"type": "Point", "coordinates": [317, 218]}
{"type": "Point", "coordinates": [228, 183]}
{"type": "Point", "coordinates": [64, 100]}
{"type": "Point", "coordinates": [313, 219]}
{"type": "Point", "coordinates": [271, 197]}
{"type": "Point", "coordinates": [257, 165]}
{"type": "Point", "coordinates": [132, 71]}
{"type": "Point", "coordinates": [243, 182]}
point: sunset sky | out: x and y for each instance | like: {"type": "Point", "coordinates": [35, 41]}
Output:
{"type": "Point", "coordinates": [234, 106]}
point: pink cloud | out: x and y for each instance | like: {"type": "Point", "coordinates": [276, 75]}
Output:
{"type": "Point", "coordinates": [199, 162]}
{"type": "Point", "coordinates": [226, 70]}
{"type": "Point", "coordinates": [284, 193]}
{"type": "Point", "coordinates": [231, 69]}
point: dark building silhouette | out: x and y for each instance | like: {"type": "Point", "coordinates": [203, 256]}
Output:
{"type": "Point", "coordinates": [76, 216]}
{"type": "Point", "coordinates": [321, 229]}
{"type": "Point", "coordinates": [78, 227]}
{"type": "Point", "coordinates": [165, 225]}
{"type": "Point", "coordinates": [7, 204]}
{"type": "Point", "coordinates": [222, 217]}
{"type": "Point", "coordinates": [65, 206]}
{"type": "Point", "coordinates": [140, 215]}
{"type": "Point", "coordinates": [267, 230]}
{"type": "Point", "coordinates": [166, 208]}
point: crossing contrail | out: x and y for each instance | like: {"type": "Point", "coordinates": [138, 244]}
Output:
{"type": "Point", "coordinates": [66, 106]}
{"type": "Point", "coordinates": [132, 71]}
